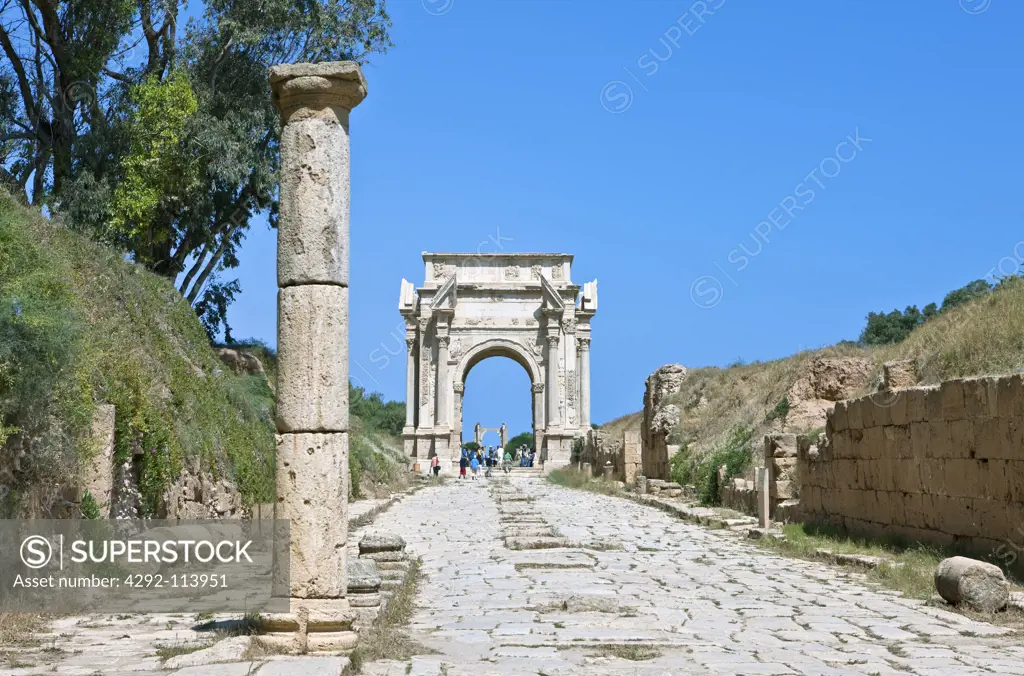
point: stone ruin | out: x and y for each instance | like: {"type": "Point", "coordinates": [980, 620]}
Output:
{"type": "Point", "coordinates": [312, 339]}
{"type": "Point", "coordinates": [659, 420]}
{"type": "Point", "coordinates": [373, 576]}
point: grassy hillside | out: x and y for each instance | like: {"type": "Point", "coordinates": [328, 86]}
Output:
{"type": "Point", "coordinates": [982, 337]}
{"type": "Point", "coordinates": [80, 326]}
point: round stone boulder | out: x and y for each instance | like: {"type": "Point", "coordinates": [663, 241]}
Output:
{"type": "Point", "coordinates": [978, 585]}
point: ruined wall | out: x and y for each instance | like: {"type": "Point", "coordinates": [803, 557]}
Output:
{"type": "Point", "coordinates": [622, 451]}
{"type": "Point", "coordinates": [659, 420]}
{"type": "Point", "coordinates": [942, 464]}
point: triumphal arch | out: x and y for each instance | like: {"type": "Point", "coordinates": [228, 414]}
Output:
{"type": "Point", "coordinates": [472, 306]}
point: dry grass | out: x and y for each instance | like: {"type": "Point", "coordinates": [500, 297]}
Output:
{"type": "Point", "coordinates": [982, 337]}
{"type": "Point", "coordinates": [168, 650]}
{"type": "Point", "coordinates": [16, 634]}
{"type": "Point", "coordinates": [571, 477]}
{"type": "Point", "coordinates": [633, 653]}
{"type": "Point", "coordinates": [908, 567]}
{"type": "Point", "coordinates": [386, 639]}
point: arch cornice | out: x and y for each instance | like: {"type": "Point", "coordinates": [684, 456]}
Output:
{"type": "Point", "coordinates": [499, 347]}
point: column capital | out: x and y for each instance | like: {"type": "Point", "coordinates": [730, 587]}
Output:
{"type": "Point", "coordinates": [443, 341]}
{"type": "Point", "coordinates": [459, 387]}
{"type": "Point", "coordinates": [537, 388]}
{"type": "Point", "coordinates": [410, 343]}
{"type": "Point", "coordinates": [584, 343]}
{"type": "Point", "coordinates": [314, 89]}
{"type": "Point", "coordinates": [552, 341]}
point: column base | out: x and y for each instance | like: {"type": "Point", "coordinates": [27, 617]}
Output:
{"type": "Point", "coordinates": [312, 626]}
{"type": "Point", "coordinates": [558, 449]}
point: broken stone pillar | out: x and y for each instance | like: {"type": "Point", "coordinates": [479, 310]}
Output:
{"type": "Point", "coordinates": [978, 585]}
{"type": "Point", "coordinates": [763, 497]}
{"type": "Point", "coordinates": [98, 475]}
{"type": "Point", "coordinates": [312, 340]}
{"type": "Point", "coordinates": [364, 590]}
{"type": "Point", "coordinates": [388, 551]}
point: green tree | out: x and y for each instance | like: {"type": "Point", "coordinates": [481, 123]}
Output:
{"type": "Point", "coordinates": [884, 329]}
{"type": "Point", "coordinates": [521, 439]}
{"type": "Point", "coordinates": [159, 138]}
{"type": "Point", "coordinates": [374, 411]}
{"type": "Point", "coordinates": [978, 287]}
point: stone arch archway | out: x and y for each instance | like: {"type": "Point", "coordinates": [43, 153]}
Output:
{"type": "Point", "coordinates": [499, 347]}
{"type": "Point", "coordinates": [473, 306]}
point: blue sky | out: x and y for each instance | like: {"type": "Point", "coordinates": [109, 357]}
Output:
{"type": "Point", "coordinates": [652, 143]}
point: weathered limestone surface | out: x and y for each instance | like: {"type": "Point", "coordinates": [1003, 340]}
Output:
{"type": "Point", "coordinates": [659, 419]}
{"type": "Point", "coordinates": [312, 359]}
{"type": "Point", "coordinates": [701, 601]}
{"type": "Point", "coordinates": [309, 487]}
{"type": "Point", "coordinates": [939, 464]}
{"type": "Point", "coordinates": [98, 475]}
{"type": "Point", "coordinates": [825, 381]}
{"type": "Point", "coordinates": [978, 585]}
{"type": "Point", "coordinates": [899, 374]}
{"type": "Point", "coordinates": [312, 338]}
{"type": "Point", "coordinates": [706, 601]}
{"type": "Point", "coordinates": [313, 235]}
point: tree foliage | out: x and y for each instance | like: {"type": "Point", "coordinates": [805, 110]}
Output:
{"type": "Point", "coordinates": [158, 137]}
{"type": "Point", "coordinates": [375, 412]}
{"type": "Point", "coordinates": [521, 439]}
{"type": "Point", "coordinates": [893, 327]}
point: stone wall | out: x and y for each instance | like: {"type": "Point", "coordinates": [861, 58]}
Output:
{"type": "Point", "coordinates": [659, 420]}
{"type": "Point", "coordinates": [942, 464]}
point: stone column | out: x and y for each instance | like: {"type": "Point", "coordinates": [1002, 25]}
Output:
{"type": "Point", "coordinates": [426, 401]}
{"type": "Point", "coordinates": [584, 378]}
{"type": "Point", "coordinates": [551, 390]}
{"type": "Point", "coordinates": [312, 342]}
{"type": "Point", "coordinates": [571, 385]}
{"type": "Point", "coordinates": [410, 383]}
{"type": "Point", "coordinates": [537, 390]}
{"type": "Point", "coordinates": [442, 381]}
{"type": "Point", "coordinates": [455, 444]}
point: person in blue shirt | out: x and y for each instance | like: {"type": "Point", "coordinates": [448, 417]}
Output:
{"type": "Point", "coordinates": [474, 465]}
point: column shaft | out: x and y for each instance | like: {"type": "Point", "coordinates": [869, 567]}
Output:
{"type": "Point", "coordinates": [312, 338]}
{"type": "Point", "coordinates": [410, 383]}
{"type": "Point", "coordinates": [584, 377]}
{"type": "Point", "coordinates": [442, 382]}
{"type": "Point", "coordinates": [551, 390]}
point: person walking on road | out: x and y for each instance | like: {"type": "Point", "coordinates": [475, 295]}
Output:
{"type": "Point", "coordinates": [463, 464]}
{"type": "Point", "coordinates": [474, 465]}
{"type": "Point", "coordinates": [435, 466]}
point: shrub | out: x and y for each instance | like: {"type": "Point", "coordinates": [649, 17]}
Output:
{"type": "Point", "coordinates": [681, 467]}
{"type": "Point", "coordinates": [88, 507]}
{"type": "Point", "coordinates": [735, 454]}
{"type": "Point", "coordinates": [780, 411]}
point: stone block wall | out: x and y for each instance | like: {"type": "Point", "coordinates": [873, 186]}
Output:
{"type": "Point", "coordinates": [942, 464]}
{"type": "Point", "coordinates": [630, 456]}
{"type": "Point", "coordinates": [623, 453]}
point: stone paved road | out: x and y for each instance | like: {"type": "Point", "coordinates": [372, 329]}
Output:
{"type": "Point", "coordinates": [703, 602]}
